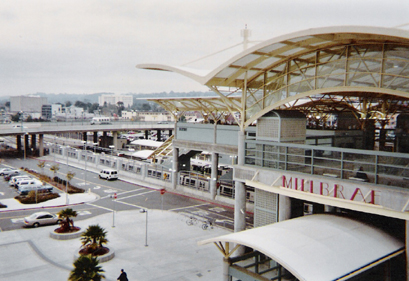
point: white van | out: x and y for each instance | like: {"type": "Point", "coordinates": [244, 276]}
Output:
{"type": "Point", "coordinates": [108, 174]}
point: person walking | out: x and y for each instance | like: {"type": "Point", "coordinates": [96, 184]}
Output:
{"type": "Point", "coordinates": [123, 276]}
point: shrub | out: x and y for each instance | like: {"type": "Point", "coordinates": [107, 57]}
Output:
{"type": "Point", "coordinates": [41, 197]}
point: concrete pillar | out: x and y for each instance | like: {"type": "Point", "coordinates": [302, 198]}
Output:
{"type": "Point", "coordinates": [240, 190]}
{"type": "Point", "coordinates": [115, 139]}
{"type": "Point", "coordinates": [407, 249]}
{"type": "Point", "coordinates": [175, 167]}
{"type": "Point", "coordinates": [41, 144]}
{"type": "Point", "coordinates": [226, 265]}
{"type": "Point", "coordinates": [33, 141]}
{"type": "Point", "coordinates": [26, 146]}
{"type": "Point", "coordinates": [213, 180]}
{"type": "Point", "coordinates": [18, 142]}
{"type": "Point", "coordinates": [104, 142]}
{"type": "Point", "coordinates": [95, 137]}
{"type": "Point", "coordinates": [284, 208]}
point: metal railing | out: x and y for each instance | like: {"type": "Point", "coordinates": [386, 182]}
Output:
{"type": "Point", "coordinates": [378, 167]}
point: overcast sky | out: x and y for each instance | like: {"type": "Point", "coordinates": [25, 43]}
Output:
{"type": "Point", "coordinates": [92, 46]}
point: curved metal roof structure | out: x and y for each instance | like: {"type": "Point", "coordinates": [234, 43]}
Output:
{"type": "Point", "coordinates": [319, 247]}
{"type": "Point", "coordinates": [368, 66]}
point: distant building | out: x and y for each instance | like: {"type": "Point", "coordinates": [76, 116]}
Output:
{"type": "Point", "coordinates": [114, 99]}
{"type": "Point", "coordinates": [46, 112]}
{"type": "Point", "coordinates": [148, 116]}
{"type": "Point", "coordinates": [27, 104]}
{"type": "Point", "coordinates": [129, 115]}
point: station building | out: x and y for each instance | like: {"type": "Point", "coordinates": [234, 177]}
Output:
{"type": "Point", "coordinates": [329, 173]}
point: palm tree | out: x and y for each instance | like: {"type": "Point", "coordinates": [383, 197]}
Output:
{"type": "Point", "coordinates": [86, 268]}
{"type": "Point", "coordinates": [70, 175]}
{"type": "Point", "coordinates": [94, 237]}
{"type": "Point", "coordinates": [65, 215]}
{"type": "Point", "coordinates": [41, 165]}
{"type": "Point", "coordinates": [54, 168]}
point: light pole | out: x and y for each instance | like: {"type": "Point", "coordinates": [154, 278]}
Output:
{"type": "Point", "coordinates": [55, 145]}
{"type": "Point", "coordinates": [146, 225]}
{"type": "Point", "coordinates": [21, 118]}
{"type": "Point", "coordinates": [66, 182]}
{"type": "Point", "coordinates": [95, 157]}
{"type": "Point", "coordinates": [112, 150]}
{"type": "Point", "coordinates": [85, 160]}
{"type": "Point", "coordinates": [25, 146]}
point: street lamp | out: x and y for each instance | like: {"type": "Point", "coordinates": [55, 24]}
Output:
{"type": "Point", "coordinates": [112, 150]}
{"type": "Point", "coordinates": [66, 183]}
{"type": "Point", "coordinates": [25, 146]}
{"type": "Point", "coordinates": [95, 144]}
{"type": "Point", "coordinates": [146, 225]}
{"type": "Point", "coordinates": [55, 146]}
{"type": "Point", "coordinates": [85, 160]}
{"type": "Point", "coordinates": [21, 118]}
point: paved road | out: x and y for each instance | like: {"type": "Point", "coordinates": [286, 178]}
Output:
{"type": "Point", "coordinates": [130, 197]}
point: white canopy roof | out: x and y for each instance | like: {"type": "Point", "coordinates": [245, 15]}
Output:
{"type": "Point", "coordinates": [143, 154]}
{"type": "Point", "coordinates": [318, 247]}
{"type": "Point", "coordinates": [150, 143]}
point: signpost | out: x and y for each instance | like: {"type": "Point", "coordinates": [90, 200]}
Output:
{"type": "Point", "coordinates": [162, 192]}
{"type": "Point", "coordinates": [114, 197]}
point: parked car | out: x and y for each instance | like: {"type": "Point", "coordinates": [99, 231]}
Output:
{"type": "Point", "coordinates": [4, 170]}
{"type": "Point", "coordinates": [15, 179]}
{"type": "Point", "coordinates": [8, 174]}
{"type": "Point", "coordinates": [41, 218]}
{"type": "Point", "coordinates": [25, 186]}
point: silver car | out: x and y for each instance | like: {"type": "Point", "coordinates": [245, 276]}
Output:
{"type": "Point", "coordinates": [41, 218]}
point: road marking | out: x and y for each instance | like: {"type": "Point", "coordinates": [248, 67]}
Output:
{"type": "Point", "coordinates": [135, 195]}
{"type": "Point", "coordinates": [97, 187]}
{"type": "Point", "coordinates": [1, 193]}
{"type": "Point", "coordinates": [110, 190]}
{"type": "Point", "coordinates": [201, 213]}
{"type": "Point", "coordinates": [100, 207]}
{"type": "Point", "coordinates": [19, 220]}
{"type": "Point", "coordinates": [217, 209]}
{"type": "Point", "coordinates": [83, 213]}
{"type": "Point", "coordinates": [188, 207]}
{"type": "Point", "coordinates": [133, 205]}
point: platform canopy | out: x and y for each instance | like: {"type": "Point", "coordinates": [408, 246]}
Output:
{"type": "Point", "coordinates": [319, 247]}
{"type": "Point", "coordinates": [365, 69]}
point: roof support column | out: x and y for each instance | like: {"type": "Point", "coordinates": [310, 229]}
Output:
{"type": "Point", "coordinates": [240, 190]}
{"type": "Point", "coordinates": [175, 167]}
{"type": "Point", "coordinates": [226, 265]}
{"type": "Point", "coordinates": [213, 180]}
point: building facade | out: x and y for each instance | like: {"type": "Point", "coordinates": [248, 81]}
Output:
{"type": "Point", "coordinates": [114, 99]}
